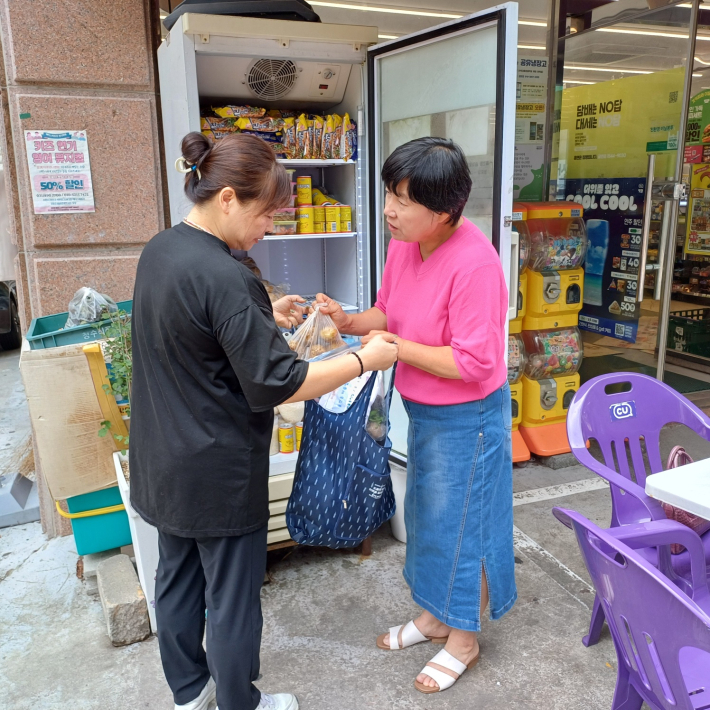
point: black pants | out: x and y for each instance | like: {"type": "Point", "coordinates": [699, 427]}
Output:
{"type": "Point", "coordinates": [223, 575]}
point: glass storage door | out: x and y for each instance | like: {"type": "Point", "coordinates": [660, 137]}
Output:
{"type": "Point", "coordinates": [454, 81]}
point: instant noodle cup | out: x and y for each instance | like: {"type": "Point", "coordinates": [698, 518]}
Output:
{"type": "Point", "coordinates": [304, 190]}
{"type": "Point", "coordinates": [346, 219]}
{"type": "Point", "coordinates": [305, 220]}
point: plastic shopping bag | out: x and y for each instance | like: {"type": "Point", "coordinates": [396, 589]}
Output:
{"type": "Point", "coordinates": [316, 337]}
{"type": "Point", "coordinates": [89, 306]}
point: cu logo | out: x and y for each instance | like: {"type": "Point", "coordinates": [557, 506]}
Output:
{"type": "Point", "coordinates": [623, 410]}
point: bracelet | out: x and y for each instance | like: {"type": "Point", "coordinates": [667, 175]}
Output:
{"type": "Point", "coordinates": [362, 367]}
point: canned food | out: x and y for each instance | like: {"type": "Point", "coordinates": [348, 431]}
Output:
{"type": "Point", "coordinates": [305, 220]}
{"type": "Point", "coordinates": [332, 214]}
{"type": "Point", "coordinates": [320, 198]}
{"type": "Point", "coordinates": [318, 227]}
{"type": "Point", "coordinates": [286, 442]}
{"type": "Point", "coordinates": [299, 433]}
{"type": "Point", "coordinates": [318, 212]}
{"type": "Point", "coordinates": [346, 216]}
{"type": "Point", "coordinates": [304, 190]}
{"type": "Point", "coordinates": [332, 227]}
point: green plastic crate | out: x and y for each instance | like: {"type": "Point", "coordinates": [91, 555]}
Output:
{"type": "Point", "coordinates": [99, 532]}
{"type": "Point", "coordinates": [49, 331]}
{"type": "Point", "coordinates": [689, 331]}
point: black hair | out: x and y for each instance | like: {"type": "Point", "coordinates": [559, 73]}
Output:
{"type": "Point", "coordinates": [245, 163]}
{"type": "Point", "coordinates": [437, 171]}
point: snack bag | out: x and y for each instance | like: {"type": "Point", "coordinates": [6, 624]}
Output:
{"type": "Point", "coordinates": [337, 136]}
{"type": "Point", "coordinates": [214, 134]}
{"type": "Point", "coordinates": [326, 150]}
{"type": "Point", "coordinates": [348, 145]}
{"type": "Point", "coordinates": [275, 292]}
{"type": "Point", "coordinates": [261, 125]}
{"type": "Point", "coordinates": [303, 144]}
{"type": "Point", "coordinates": [317, 136]}
{"type": "Point", "coordinates": [289, 137]}
{"type": "Point", "coordinates": [282, 113]}
{"type": "Point", "coordinates": [311, 135]}
{"type": "Point", "coordinates": [240, 112]}
{"type": "Point", "coordinates": [209, 122]}
{"type": "Point", "coordinates": [317, 336]}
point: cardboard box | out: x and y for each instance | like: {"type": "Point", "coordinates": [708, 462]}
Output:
{"type": "Point", "coordinates": [66, 418]}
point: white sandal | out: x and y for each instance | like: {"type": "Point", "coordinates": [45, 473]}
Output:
{"type": "Point", "coordinates": [445, 681]}
{"type": "Point", "coordinates": [403, 636]}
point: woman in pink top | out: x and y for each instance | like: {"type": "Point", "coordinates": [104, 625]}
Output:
{"type": "Point", "coordinates": [444, 301]}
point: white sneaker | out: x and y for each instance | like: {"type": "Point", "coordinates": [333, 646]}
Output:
{"type": "Point", "coordinates": [280, 701]}
{"type": "Point", "coordinates": [203, 700]}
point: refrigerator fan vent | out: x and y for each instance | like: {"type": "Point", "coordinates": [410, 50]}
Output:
{"type": "Point", "coordinates": [272, 79]}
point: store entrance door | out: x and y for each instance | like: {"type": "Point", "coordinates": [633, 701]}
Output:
{"type": "Point", "coordinates": [624, 87]}
{"type": "Point", "coordinates": [456, 80]}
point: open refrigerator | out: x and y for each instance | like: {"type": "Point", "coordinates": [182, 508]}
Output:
{"type": "Point", "coordinates": [456, 80]}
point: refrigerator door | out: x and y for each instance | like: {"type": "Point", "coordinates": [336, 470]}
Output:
{"type": "Point", "coordinates": [457, 81]}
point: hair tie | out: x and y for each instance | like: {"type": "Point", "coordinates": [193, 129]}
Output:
{"type": "Point", "coordinates": [182, 166]}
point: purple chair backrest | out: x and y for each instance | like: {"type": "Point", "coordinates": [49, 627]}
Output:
{"type": "Point", "coordinates": [664, 642]}
{"type": "Point", "coordinates": [624, 424]}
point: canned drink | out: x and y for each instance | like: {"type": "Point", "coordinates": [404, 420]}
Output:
{"type": "Point", "coordinates": [346, 217]}
{"type": "Point", "coordinates": [318, 212]}
{"type": "Point", "coordinates": [305, 220]}
{"type": "Point", "coordinates": [304, 190]}
{"type": "Point", "coordinates": [299, 433]}
{"type": "Point", "coordinates": [318, 227]}
{"type": "Point", "coordinates": [286, 442]}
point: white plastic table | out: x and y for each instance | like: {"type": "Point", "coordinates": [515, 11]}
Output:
{"type": "Point", "coordinates": [686, 487]}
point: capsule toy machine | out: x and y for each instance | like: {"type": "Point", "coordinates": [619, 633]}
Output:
{"type": "Point", "coordinates": [520, 227]}
{"type": "Point", "coordinates": [516, 365]}
{"type": "Point", "coordinates": [550, 381]}
{"type": "Point", "coordinates": [555, 277]}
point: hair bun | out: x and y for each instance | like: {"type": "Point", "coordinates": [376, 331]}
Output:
{"type": "Point", "coordinates": [195, 147]}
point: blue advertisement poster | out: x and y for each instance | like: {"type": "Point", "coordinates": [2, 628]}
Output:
{"type": "Point", "coordinates": [613, 213]}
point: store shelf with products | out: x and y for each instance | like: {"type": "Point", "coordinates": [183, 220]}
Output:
{"type": "Point", "coordinates": [308, 163]}
{"type": "Point", "coordinates": [319, 235]}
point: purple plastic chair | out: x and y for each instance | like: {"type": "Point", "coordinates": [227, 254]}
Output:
{"type": "Point", "coordinates": [624, 424]}
{"type": "Point", "coordinates": [662, 645]}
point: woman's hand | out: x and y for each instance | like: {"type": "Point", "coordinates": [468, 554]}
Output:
{"type": "Point", "coordinates": [343, 322]}
{"type": "Point", "coordinates": [380, 352]}
{"type": "Point", "coordinates": [287, 312]}
{"type": "Point", "coordinates": [389, 337]}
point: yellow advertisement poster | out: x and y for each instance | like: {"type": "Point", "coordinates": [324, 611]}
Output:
{"type": "Point", "coordinates": [698, 237]}
{"type": "Point", "coordinates": [608, 129]}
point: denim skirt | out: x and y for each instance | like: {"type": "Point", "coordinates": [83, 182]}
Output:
{"type": "Point", "coordinates": [458, 508]}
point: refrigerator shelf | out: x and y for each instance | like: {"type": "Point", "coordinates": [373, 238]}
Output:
{"type": "Point", "coordinates": [320, 235]}
{"type": "Point", "coordinates": [305, 163]}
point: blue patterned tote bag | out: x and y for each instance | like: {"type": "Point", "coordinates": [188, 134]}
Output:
{"type": "Point", "coordinates": [342, 490]}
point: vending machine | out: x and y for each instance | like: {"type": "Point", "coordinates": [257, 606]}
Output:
{"type": "Point", "coordinates": [557, 241]}
{"type": "Point", "coordinates": [414, 86]}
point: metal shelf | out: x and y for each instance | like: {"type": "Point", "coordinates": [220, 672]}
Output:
{"type": "Point", "coordinates": [309, 163]}
{"type": "Point", "coordinates": [320, 235]}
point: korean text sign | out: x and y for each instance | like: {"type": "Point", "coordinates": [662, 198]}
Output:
{"type": "Point", "coordinates": [60, 172]}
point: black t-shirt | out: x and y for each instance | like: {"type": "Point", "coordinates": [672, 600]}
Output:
{"type": "Point", "coordinates": [209, 366]}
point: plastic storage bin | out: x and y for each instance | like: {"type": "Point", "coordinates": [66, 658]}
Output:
{"type": "Point", "coordinates": [285, 228]}
{"type": "Point", "coordinates": [49, 331]}
{"type": "Point", "coordinates": [689, 331]}
{"type": "Point", "coordinates": [145, 542]}
{"type": "Point", "coordinates": [102, 531]}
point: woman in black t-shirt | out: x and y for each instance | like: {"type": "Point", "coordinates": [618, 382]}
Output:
{"type": "Point", "coordinates": [210, 364]}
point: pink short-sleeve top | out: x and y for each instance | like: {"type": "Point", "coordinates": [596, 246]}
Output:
{"type": "Point", "coordinates": [457, 297]}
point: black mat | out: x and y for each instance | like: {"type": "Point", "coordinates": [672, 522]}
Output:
{"type": "Point", "coordinates": [604, 364]}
